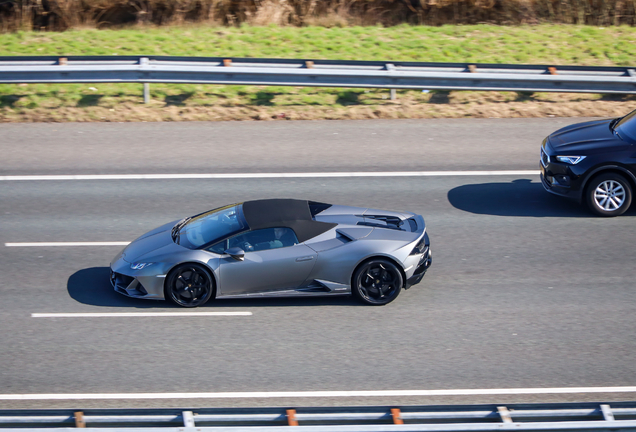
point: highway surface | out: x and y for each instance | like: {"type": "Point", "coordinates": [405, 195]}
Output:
{"type": "Point", "coordinates": [526, 291]}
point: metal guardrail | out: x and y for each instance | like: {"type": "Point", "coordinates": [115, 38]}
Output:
{"type": "Point", "coordinates": [317, 73]}
{"type": "Point", "coordinates": [620, 416]}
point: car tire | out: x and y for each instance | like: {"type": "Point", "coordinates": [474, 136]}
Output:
{"type": "Point", "coordinates": [189, 285]}
{"type": "Point", "coordinates": [608, 194]}
{"type": "Point", "coordinates": [377, 282]}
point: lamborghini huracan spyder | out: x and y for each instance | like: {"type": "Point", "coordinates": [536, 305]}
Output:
{"type": "Point", "coordinates": [276, 247]}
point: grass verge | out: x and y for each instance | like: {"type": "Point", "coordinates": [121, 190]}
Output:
{"type": "Point", "coordinates": [541, 44]}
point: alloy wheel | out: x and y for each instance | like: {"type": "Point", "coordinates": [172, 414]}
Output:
{"type": "Point", "coordinates": [189, 286]}
{"type": "Point", "coordinates": [609, 195]}
{"type": "Point", "coordinates": [378, 282]}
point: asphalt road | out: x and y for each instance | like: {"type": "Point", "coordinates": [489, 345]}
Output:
{"type": "Point", "coordinates": [526, 290]}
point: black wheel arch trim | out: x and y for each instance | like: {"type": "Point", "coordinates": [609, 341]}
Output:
{"type": "Point", "coordinates": [630, 176]}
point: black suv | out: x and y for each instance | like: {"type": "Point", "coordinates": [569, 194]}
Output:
{"type": "Point", "coordinates": [593, 162]}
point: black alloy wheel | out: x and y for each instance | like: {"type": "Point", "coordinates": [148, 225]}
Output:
{"type": "Point", "coordinates": [189, 285]}
{"type": "Point", "coordinates": [609, 194]}
{"type": "Point", "coordinates": [377, 282]}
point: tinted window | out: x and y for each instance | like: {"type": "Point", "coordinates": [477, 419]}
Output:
{"type": "Point", "coordinates": [627, 126]}
{"type": "Point", "coordinates": [213, 225]}
{"type": "Point", "coordinates": [220, 247]}
{"type": "Point", "coordinates": [269, 238]}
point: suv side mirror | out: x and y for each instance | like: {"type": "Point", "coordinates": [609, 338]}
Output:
{"type": "Point", "coordinates": [237, 253]}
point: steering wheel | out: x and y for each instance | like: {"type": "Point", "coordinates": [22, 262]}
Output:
{"type": "Point", "coordinates": [247, 246]}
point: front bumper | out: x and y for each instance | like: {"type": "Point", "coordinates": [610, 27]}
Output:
{"type": "Point", "coordinates": [560, 178]}
{"type": "Point", "coordinates": [127, 285]}
{"type": "Point", "coordinates": [146, 284]}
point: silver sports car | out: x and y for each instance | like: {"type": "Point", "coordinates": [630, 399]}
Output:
{"type": "Point", "coordinates": [276, 247]}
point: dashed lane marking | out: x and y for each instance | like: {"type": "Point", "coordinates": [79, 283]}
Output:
{"type": "Point", "coordinates": [136, 314]}
{"type": "Point", "coordinates": [66, 244]}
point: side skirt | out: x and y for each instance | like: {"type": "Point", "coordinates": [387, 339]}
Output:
{"type": "Point", "coordinates": [286, 293]}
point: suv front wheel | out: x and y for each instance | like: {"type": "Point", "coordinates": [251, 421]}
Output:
{"type": "Point", "coordinates": [609, 194]}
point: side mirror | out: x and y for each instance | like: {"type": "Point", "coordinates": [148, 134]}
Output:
{"type": "Point", "coordinates": [237, 253]}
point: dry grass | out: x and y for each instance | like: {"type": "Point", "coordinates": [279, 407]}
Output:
{"type": "Point", "coordinates": [413, 105]}
{"type": "Point", "coordinates": [66, 14]}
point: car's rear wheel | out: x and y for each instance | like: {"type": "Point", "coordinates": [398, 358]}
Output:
{"type": "Point", "coordinates": [189, 285]}
{"type": "Point", "coordinates": [377, 282]}
{"type": "Point", "coordinates": [609, 194]}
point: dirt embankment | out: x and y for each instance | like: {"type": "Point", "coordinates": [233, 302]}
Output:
{"type": "Point", "coordinates": [65, 14]}
{"type": "Point", "coordinates": [437, 105]}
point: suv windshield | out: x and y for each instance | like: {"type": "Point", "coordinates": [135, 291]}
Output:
{"type": "Point", "coordinates": [211, 226]}
{"type": "Point", "coordinates": [626, 127]}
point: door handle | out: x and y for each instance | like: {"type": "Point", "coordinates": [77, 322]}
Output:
{"type": "Point", "coordinates": [305, 258]}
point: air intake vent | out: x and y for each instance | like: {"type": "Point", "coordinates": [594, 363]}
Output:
{"type": "Point", "coordinates": [341, 235]}
{"type": "Point", "coordinates": [381, 221]}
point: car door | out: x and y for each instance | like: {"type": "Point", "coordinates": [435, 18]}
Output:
{"type": "Point", "coordinates": [271, 262]}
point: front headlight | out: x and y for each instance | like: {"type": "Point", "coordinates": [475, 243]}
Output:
{"type": "Point", "coordinates": [139, 266]}
{"type": "Point", "coordinates": [572, 160]}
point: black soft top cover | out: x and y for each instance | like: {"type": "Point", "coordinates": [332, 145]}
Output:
{"type": "Point", "coordinates": [290, 213]}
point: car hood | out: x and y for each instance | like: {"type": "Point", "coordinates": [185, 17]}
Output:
{"type": "Point", "coordinates": [583, 137]}
{"type": "Point", "coordinates": [152, 241]}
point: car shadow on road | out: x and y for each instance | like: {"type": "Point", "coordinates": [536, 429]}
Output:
{"type": "Point", "coordinates": [518, 198]}
{"type": "Point", "coordinates": [92, 286]}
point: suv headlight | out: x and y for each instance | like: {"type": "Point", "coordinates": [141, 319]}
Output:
{"type": "Point", "coordinates": [572, 160]}
{"type": "Point", "coordinates": [139, 266]}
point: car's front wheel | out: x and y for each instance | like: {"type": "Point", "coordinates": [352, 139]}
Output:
{"type": "Point", "coordinates": [189, 285]}
{"type": "Point", "coordinates": [377, 282]}
{"type": "Point", "coordinates": [609, 194]}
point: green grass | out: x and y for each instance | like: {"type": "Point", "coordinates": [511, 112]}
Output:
{"type": "Point", "coordinates": [481, 43]}
{"type": "Point", "coordinates": [541, 44]}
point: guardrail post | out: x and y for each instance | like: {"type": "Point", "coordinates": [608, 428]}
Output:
{"type": "Point", "coordinates": [188, 419]}
{"type": "Point", "coordinates": [79, 419]}
{"type": "Point", "coordinates": [391, 67]}
{"type": "Point", "coordinates": [504, 414]}
{"type": "Point", "coordinates": [143, 61]}
{"type": "Point", "coordinates": [397, 416]}
{"type": "Point", "coordinates": [291, 417]}
{"type": "Point", "coordinates": [608, 415]}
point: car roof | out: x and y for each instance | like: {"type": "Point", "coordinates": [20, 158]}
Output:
{"type": "Point", "coordinates": [288, 213]}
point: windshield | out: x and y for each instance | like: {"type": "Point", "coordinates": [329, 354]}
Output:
{"type": "Point", "coordinates": [211, 226]}
{"type": "Point", "coordinates": [626, 127]}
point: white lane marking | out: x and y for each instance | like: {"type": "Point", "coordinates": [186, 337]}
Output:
{"type": "Point", "coordinates": [318, 394]}
{"type": "Point", "coordinates": [135, 314]}
{"type": "Point", "coordinates": [64, 244]}
{"type": "Point", "coordinates": [264, 175]}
